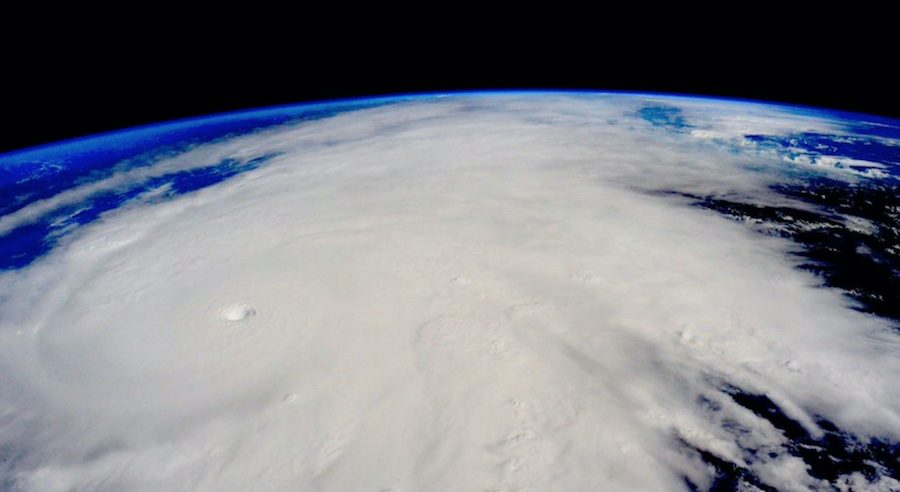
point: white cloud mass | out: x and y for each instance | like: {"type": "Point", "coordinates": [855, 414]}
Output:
{"type": "Point", "coordinates": [474, 292]}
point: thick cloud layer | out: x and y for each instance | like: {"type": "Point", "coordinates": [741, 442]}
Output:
{"type": "Point", "coordinates": [462, 293]}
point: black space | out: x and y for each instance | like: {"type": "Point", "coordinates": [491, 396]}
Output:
{"type": "Point", "coordinates": [85, 80]}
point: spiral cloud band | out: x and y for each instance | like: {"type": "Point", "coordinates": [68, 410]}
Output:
{"type": "Point", "coordinates": [469, 292]}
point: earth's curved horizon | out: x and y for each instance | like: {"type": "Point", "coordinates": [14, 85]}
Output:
{"type": "Point", "coordinates": [492, 290]}
{"type": "Point", "coordinates": [318, 104]}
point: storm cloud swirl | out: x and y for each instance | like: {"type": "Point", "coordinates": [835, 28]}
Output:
{"type": "Point", "coordinates": [464, 292]}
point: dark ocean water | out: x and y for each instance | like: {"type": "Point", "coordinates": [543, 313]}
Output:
{"type": "Point", "coordinates": [848, 235]}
